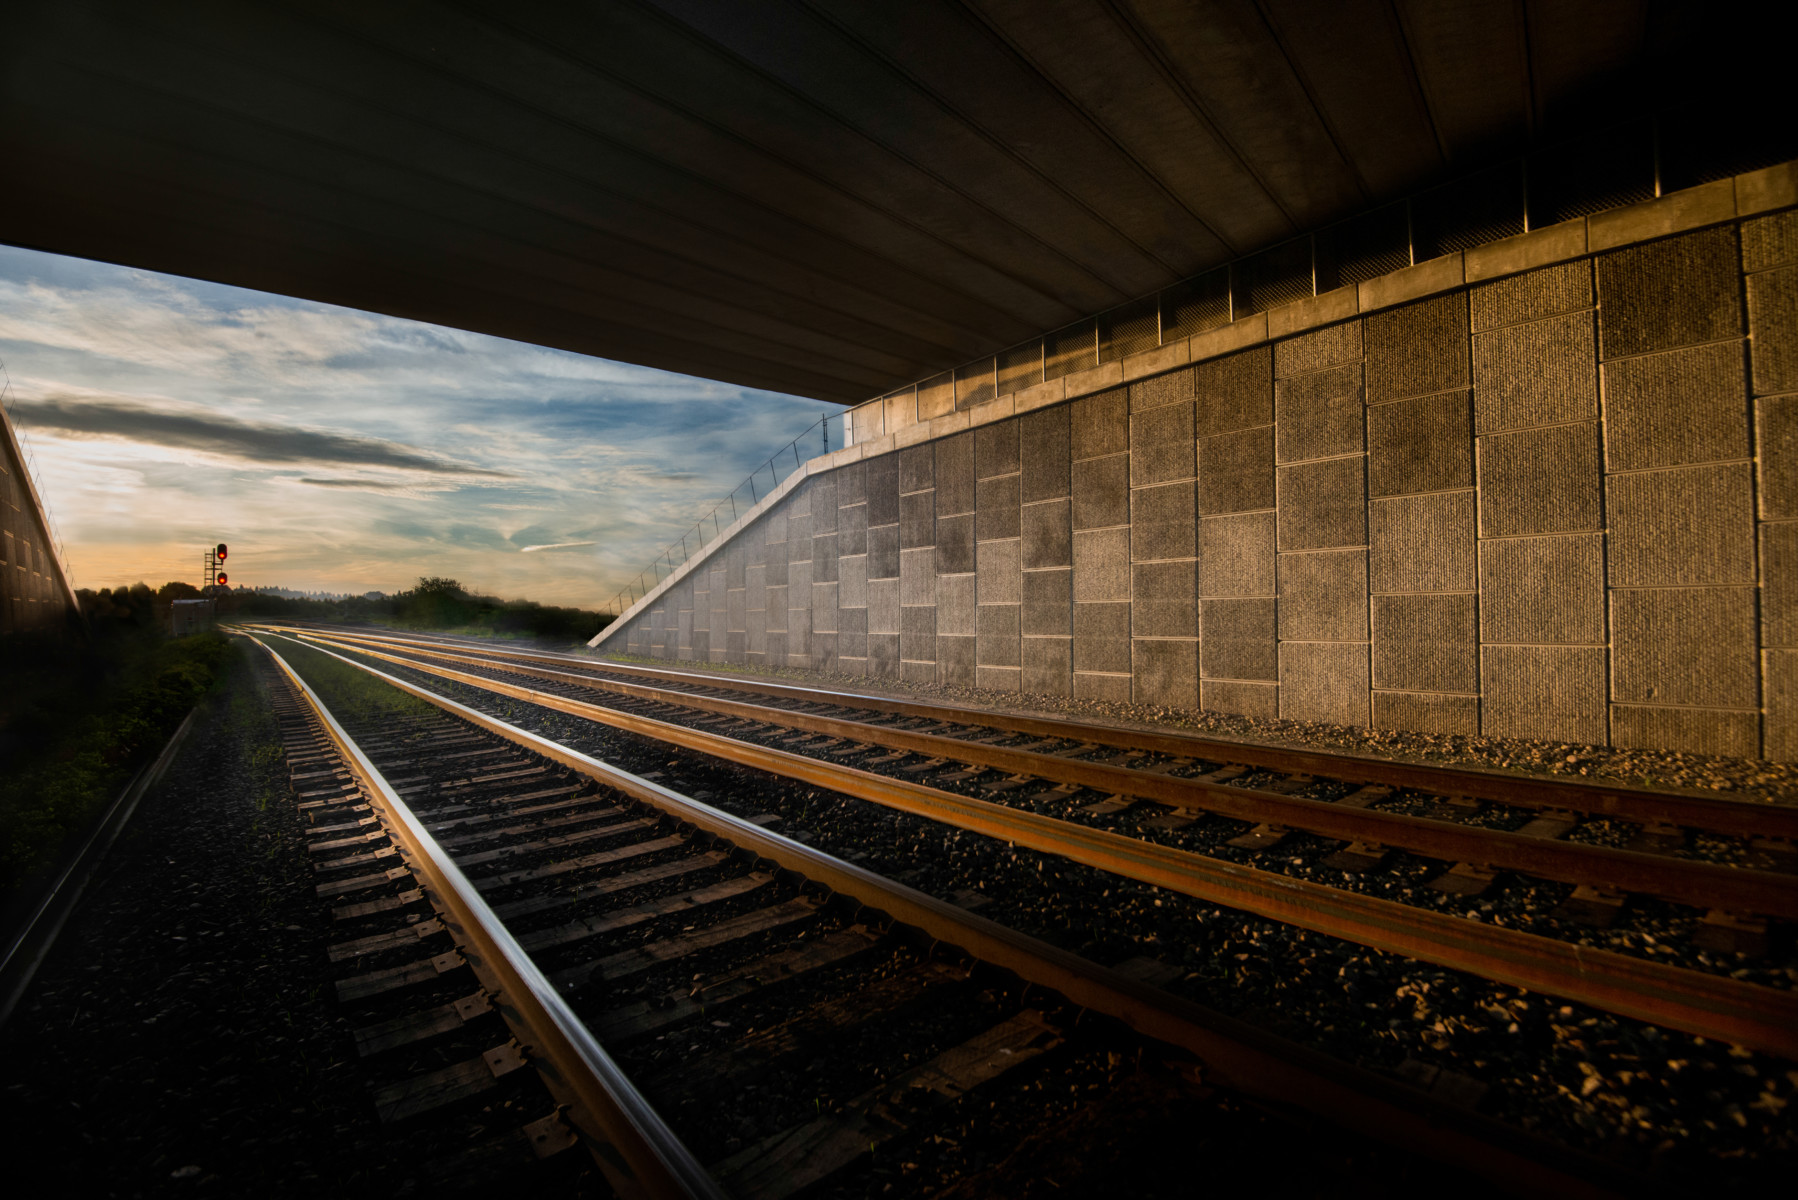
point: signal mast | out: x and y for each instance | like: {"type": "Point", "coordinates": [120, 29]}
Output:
{"type": "Point", "coordinates": [215, 575]}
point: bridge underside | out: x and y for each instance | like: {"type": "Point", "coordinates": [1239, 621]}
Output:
{"type": "Point", "coordinates": [829, 200]}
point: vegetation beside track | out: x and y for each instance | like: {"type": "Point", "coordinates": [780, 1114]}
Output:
{"type": "Point", "coordinates": [78, 717]}
{"type": "Point", "coordinates": [351, 695]}
{"type": "Point", "coordinates": [436, 604]}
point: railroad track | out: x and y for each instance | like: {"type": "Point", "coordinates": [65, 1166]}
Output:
{"type": "Point", "coordinates": [1354, 848]}
{"type": "Point", "coordinates": [602, 909]}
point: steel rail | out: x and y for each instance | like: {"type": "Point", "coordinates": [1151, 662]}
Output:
{"type": "Point", "coordinates": [1713, 1006]}
{"type": "Point", "coordinates": [1243, 1056]}
{"type": "Point", "coordinates": [1741, 818]}
{"type": "Point", "coordinates": [1707, 885]}
{"type": "Point", "coordinates": [639, 1155]}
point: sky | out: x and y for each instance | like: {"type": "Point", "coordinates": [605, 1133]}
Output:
{"type": "Point", "coordinates": [343, 451]}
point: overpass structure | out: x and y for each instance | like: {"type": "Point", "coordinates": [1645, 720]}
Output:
{"type": "Point", "coordinates": [1377, 361]}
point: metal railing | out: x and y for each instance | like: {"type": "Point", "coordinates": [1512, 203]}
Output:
{"type": "Point", "coordinates": [28, 460]}
{"type": "Point", "coordinates": [819, 438]}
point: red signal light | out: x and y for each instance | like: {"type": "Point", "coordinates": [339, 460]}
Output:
{"type": "Point", "coordinates": [223, 579]}
{"type": "Point", "coordinates": [221, 552]}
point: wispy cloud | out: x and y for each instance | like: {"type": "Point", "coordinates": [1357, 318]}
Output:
{"type": "Point", "coordinates": [348, 451]}
{"type": "Point", "coordinates": [555, 546]}
{"type": "Point", "coordinates": [259, 442]}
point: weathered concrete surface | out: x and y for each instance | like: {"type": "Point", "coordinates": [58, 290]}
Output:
{"type": "Point", "coordinates": [1556, 498]}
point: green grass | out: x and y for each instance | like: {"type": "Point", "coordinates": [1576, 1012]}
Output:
{"type": "Point", "coordinates": [79, 721]}
{"type": "Point", "coordinates": [353, 696]}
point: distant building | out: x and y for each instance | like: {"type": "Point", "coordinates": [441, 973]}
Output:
{"type": "Point", "coordinates": [190, 616]}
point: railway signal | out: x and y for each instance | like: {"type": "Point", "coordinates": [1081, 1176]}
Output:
{"type": "Point", "coordinates": [214, 576]}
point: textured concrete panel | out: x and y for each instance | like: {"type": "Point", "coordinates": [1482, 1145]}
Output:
{"type": "Point", "coordinates": [1418, 349]}
{"type": "Point", "coordinates": [1324, 681]}
{"type": "Point", "coordinates": [1543, 590]}
{"type": "Point", "coordinates": [999, 679]}
{"type": "Point", "coordinates": [1684, 646]}
{"type": "Point", "coordinates": [1674, 292]}
{"type": "Point", "coordinates": [954, 471]}
{"type": "Point", "coordinates": [1102, 637]}
{"type": "Point", "coordinates": [996, 508]}
{"type": "Point", "coordinates": [1676, 408]}
{"type": "Point", "coordinates": [1323, 504]}
{"type": "Point", "coordinates": [1240, 640]}
{"type": "Point", "coordinates": [1543, 373]}
{"type": "Point", "coordinates": [1314, 351]}
{"type": "Point", "coordinates": [1323, 597]}
{"type": "Point", "coordinates": [1048, 603]}
{"type": "Point", "coordinates": [917, 520]}
{"type": "Point", "coordinates": [852, 529]}
{"type": "Point", "coordinates": [852, 578]}
{"type": "Point", "coordinates": [1777, 440]}
{"type": "Point", "coordinates": [917, 468]}
{"type": "Point", "coordinates": [1000, 569]}
{"type": "Point", "coordinates": [1236, 471]}
{"type": "Point", "coordinates": [824, 651]}
{"type": "Point", "coordinates": [1770, 241]}
{"type": "Point", "coordinates": [883, 655]}
{"type": "Point", "coordinates": [1048, 534]}
{"type": "Point", "coordinates": [883, 606]}
{"type": "Point", "coordinates": [883, 552]}
{"type": "Point", "coordinates": [1695, 730]}
{"type": "Point", "coordinates": [1426, 713]}
{"type": "Point", "coordinates": [1319, 415]}
{"type": "Point", "coordinates": [773, 528]}
{"type": "Point", "coordinates": [1175, 387]}
{"type": "Point", "coordinates": [799, 539]}
{"type": "Point", "coordinates": [1166, 672]}
{"type": "Point", "coordinates": [1550, 693]}
{"type": "Point", "coordinates": [917, 576]}
{"type": "Point", "coordinates": [852, 621]}
{"type": "Point", "coordinates": [1690, 525]}
{"type": "Point", "coordinates": [799, 577]}
{"type": "Point", "coordinates": [702, 645]}
{"type": "Point", "coordinates": [1773, 329]}
{"type": "Point", "coordinates": [824, 608]}
{"type": "Point", "coordinates": [1043, 447]}
{"type": "Point", "coordinates": [1779, 584]}
{"type": "Point", "coordinates": [996, 449]}
{"type": "Point", "coordinates": [824, 556]}
{"type": "Point", "coordinates": [1236, 555]}
{"type": "Point", "coordinates": [1113, 689]}
{"type": "Point", "coordinates": [1779, 679]}
{"type": "Point", "coordinates": [955, 601]}
{"type": "Point", "coordinates": [1422, 543]}
{"type": "Point", "coordinates": [955, 544]}
{"type": "Point", "coordinates": [1049, 665]}
{"type": "Point", "coordinates": [1258, 700]}
{"type": "Point", "coordinates": [1425, 643]}
{"type": "Point", "coordinates": [1541, 481]}
{"type": "Point", "coordinates": [883, 490]}
{"type": "Point", "coordinates": [1163, 522]}
{"type": "Point", "coordinates": [1421, 445]}
{"type": "Point", "coordinates": [1101, 565]}
{"type": "Point", "coordinates": [823, 505]}
{"type": "Point", "coordinates": [1099, 425]}
{"type": "Point", "coordinates": [1102, 492]}
{"type": "Point", "coordinates": [739, 609]}
{"type": "Point", "coordinates": [917, 634]}
{"type": "Point", "coordinates": [1161, 445]}
{"type": "Point", "coordinates": [772, 604]}
{"type": "Point", "coordinates": [1235, 392]}
{"type": "Point", "coordinates": [1164, 598]}
{"type": "Point", "coordinates": [955, 660]}
{"type": "Point", "coordinates": [852, 484]}
{"type": "Point", "coordinates": [997, 625]}
{"type": "Point", "coordinates": [1533, 295]}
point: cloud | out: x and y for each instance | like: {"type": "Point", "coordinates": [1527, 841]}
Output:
{"type": "Point", "coordinates": [556, 546]}
{"type": "Point", "coordinates": [259, 442]}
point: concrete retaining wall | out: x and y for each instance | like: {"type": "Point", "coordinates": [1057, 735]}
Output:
{"type": "Point", "coordinates": [1546, 488]}
{"type": "Point", "coordinates": [34, 595]}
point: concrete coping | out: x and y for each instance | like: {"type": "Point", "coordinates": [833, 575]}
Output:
{"type": "Point", "coordinates": [1752, 194]}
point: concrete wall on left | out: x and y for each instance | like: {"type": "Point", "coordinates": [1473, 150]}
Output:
{"type": "Point", "coordinates": [35, 595]}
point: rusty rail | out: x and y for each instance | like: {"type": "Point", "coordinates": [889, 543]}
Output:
{"type": "Point", "coordinates": [1712, 1006]}
{"type": "Point", "coordinates": [639, 1155]}
{"type": "Point", "coordinates": [1695, 810]}
{"type": "Point", "coordinates": [1242, 1056]}
{"type": "Point", "coordinates": [1684, 881]}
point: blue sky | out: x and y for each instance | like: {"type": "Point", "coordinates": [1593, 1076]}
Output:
{"type": "Point", "coordinates": [345, 451]}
